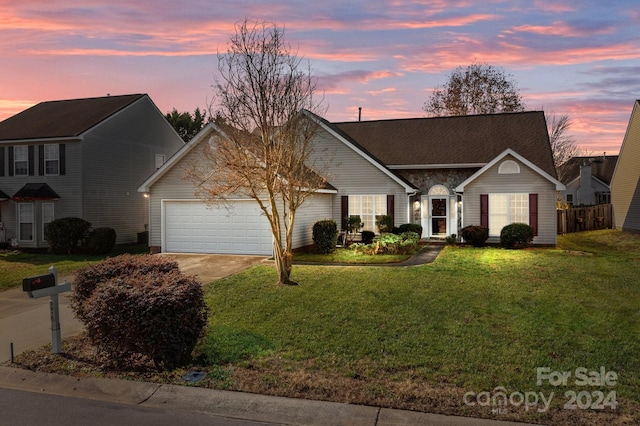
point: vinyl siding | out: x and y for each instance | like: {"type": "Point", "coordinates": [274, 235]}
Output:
{"type": "Point", "coordinates": [352, 174]}
{"type": "Point", "coordinates": [118, 155]}
{"type": "Point", "coordinates": [315, 208]}
{"type": "Point", "coordinates": [625, 185]}
{"type": "Point", "coordinates": [527, 181]}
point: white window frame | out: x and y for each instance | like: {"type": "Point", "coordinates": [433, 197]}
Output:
{"type": "Point", "coordinates": [357, 203]}
{"type": "Point", "coordinates": [21, 220]}
{"type": "Point", "coordinates": [48, 215]}
{"type": "Point", "coordinates": [51, 156]}
{"type": "Point", "coordinates": [20, 155]}
{"type": "Point", "coordinates": [507, 208]}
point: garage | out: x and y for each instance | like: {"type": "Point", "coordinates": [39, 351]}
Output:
{"type": "Point", "coordinates": [194, 227]}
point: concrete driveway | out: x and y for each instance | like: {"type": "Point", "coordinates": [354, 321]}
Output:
{"type": "Point", "coordinates": [26, 322]}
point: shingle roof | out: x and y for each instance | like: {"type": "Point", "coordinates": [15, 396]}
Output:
{"type": "Point", "coordinates": [66, 118]}
{"type": "Point", "coordinates": [473, 139]}
{"type": "Point", "coordinates": [602, 167]}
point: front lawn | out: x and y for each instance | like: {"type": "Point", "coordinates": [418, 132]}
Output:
{"type": "Point", "coordinates": [449, 337]}
{"type": "Point", "coordinates": [421, 337]}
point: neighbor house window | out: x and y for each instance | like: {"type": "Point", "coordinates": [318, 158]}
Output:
{"type": "Point", "coordinates": [505, 209]}
{"type": "Point", "coordinates": [570, 199]}
{"type": "Point", "coordinates": [367, 207]}
{"type": "Point", "coordinates": [25, 222]}
{"type": "Point", "coordinates": [47, 216]}
{"type": "Point", "coordinates": [21, 160]}
{"type": "Point", "coordinates": [51, 159]}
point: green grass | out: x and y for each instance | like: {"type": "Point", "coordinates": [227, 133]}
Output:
{"type": "Point", "coordinates": [15, 265]}
{"type": "Point", "coordinates": [475, 319]}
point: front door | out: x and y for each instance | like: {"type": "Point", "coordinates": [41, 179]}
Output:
{"type": "Point", "coordinates": [438, 222]}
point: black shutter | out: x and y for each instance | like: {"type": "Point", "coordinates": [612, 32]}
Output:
{"type": "Point", "coordinates": [391, 208]}
{"type": "Point", "coordinates": [40, 160]}
{"type": "Point", "coordinates": [62, 159]}
{"type": "Point", "coordinates": [484, 210]}
{"type": "Point", "coordinates": [31, 160]}
{"type": "Point", "coordinates": [1, 160]}
{"type": "Point", "coordinates": [344, 210]}
{"type": "Point", "coordinates": [11, 165]}
{"type": "Point", "coordinates": [533, 212]}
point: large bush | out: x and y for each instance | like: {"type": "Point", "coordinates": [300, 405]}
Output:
{"type": "Point", "coordinates": [325, 236]}
{"type": "Point", "coordinates": [475, 235]}
{"type": "Point", "coordinates": [140, 309]}
{"type": "Point", "coordinates": [64, 235]}
{"type": "Point", "coordinates": [516, 235]}
{"type": "Point", "coordinates": [408, 227]}
{"type": "Point", "coordinates": [384, 222]}
{"type": "Point", "coordinates": [100, 241]}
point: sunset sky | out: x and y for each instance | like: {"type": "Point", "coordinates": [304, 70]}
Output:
{"type": "Point", "coordinates": [575, 57]}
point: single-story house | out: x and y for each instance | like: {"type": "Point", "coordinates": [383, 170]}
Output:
{"type": "Point", "coordinates": [625, 185]}
{"type": "Point", "coordinates": [588, 179]}
{"type": "Point", "coordinates": [80, 158]}
{"type": "Point", "coordinates": [443, 173]}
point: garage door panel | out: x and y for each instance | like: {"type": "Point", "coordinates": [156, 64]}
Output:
{"type": "Point", "coordinates": [193, 227]}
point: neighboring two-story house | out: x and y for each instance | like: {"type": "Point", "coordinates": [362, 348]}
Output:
{"type": "Point", "coordinates": [80, 158]}
{"type": "Point", "coordinates": [588, 179]}
{"type": "Point", "coordinates": [625, 184]}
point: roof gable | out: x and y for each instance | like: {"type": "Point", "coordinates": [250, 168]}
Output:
{"type": "Point", "coordinates": [493, 162]}
{"type": "Point", "coordinates": [62, 119]}
{"type": "Point", "coordinates": [601, 168]}
{"type": "Point", "coordinates": [471, 140]}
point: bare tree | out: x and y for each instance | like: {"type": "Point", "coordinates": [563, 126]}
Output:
{"type": "Point", "coordinates": [266, 141]}
{"type": "Point", "coordinates": [563, 145]}
{"type": "Point", "coordinates": [475, 89]}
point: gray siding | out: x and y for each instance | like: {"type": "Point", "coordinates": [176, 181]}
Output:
{"type": "Point", "coordinates": [625, 185]}
{"type": "Point", "coordinates": [352, 174]}
{"type": "Point", "coordinates": [527, 181]}
{"type": "Point", "coordinates": [315, 208]}
{"type": "Point", "coordinates": [118, 155]}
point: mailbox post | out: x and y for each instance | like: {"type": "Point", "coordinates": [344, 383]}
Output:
{"type": "Point", "coordinates": [47, 285]}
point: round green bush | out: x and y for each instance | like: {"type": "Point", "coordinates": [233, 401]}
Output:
{"type": "Point", "coordinates": [140, 309]}
{"type": "Point", "coordinates": [367, 237]}
{"type": "Point", "coordinates": [100, 241]}
{"type": "Point", "coordinates": [325, 236]}
{"type": "Point", "coordinates": [408, 227]}
{"type": "Point", "coordinates": [516, 235]}
{"type": "Point", "coordinates": [475, 235]}
{"type": "Point", "coordinates": [64, 235]}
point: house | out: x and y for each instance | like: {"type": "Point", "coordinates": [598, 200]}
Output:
{"type": "Point", "coordinates": [588, 179]}
{"type": "Point", "coordinates": [80, 158]}
{"type": "Point", "coordinates": [625, 184]}
{"type": "Point", "coordinates": [443, 173]}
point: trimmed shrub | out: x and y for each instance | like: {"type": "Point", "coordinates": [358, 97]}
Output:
{"type": "Point", "coordinates": [100, 241]}
{"type": "Point", "coordinates": [367, 237]}
{"type": "Point", "coordinates": [404, 243]}
{"type": "Point", "coordinates": [516, 235]}
{"type": "Point", "coordinates": [64, 235]}
{"type": "Point", "coordinates": [325, 236]}
{"type": "Point", "coordinates": [354, 223]}
{"type": "Point", "coordinates": [475, 235]}
{"type": "Point", "coordinates": [384, 222]}
{"type": "Point", "coordinates": [408, 227]}
{"type": "Point", "coordinates": [140, 309]}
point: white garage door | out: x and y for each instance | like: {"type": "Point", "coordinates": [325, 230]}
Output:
{"type": "Point", "coordinates": [194, 227]}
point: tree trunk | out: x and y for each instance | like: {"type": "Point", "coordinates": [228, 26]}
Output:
{"type": "Point", "coordinates": [284, 264]}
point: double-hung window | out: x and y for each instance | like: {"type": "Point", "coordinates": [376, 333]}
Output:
{"type": "Point", "coordinates": [368, 207]}
{"type": "Point", "coordinates": [505, 209]}
{"type": "Point", "coordinates": [21, 160]}
{"type": "Point", "coordinates": [25, 222]}
{"type": "Point", "coordinates": [51, 159]}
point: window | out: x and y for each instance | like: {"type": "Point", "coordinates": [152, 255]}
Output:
{"type": "Point", "coordinates": [367, 207]}
{"type": "Point", "coordinates": [47, 216]}
{"type": "Point", "coordinates": [570, 199]}
{"type": "Point", "coordinates": [508, 167]}
{"type": "Point", "coordinates": [159, 160]}
{"type": "Point", "coordinates": [25, 222]}
{"type": "Point", "coordinates": [505, 209]}
{"type": "Point", "coordinates": [51, 159]}
{"type": "Point", "coordinates": [21, 160]}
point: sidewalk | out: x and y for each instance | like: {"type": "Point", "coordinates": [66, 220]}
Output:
{"type": "Point", "coordinates": [236, 405]}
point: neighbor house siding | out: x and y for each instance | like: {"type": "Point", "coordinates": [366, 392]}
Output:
{"type": "Point", "coordinates": [352, 174]}
{"type": "Point", "coordinates": [625, 185]}
{"type": "Point", "coordinates": [527, 181]}
{"type": "Point", "coordinates": [118, 155]}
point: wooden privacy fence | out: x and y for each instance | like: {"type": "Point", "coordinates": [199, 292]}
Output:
{"type": "Point", "coordinates": [576, 219]}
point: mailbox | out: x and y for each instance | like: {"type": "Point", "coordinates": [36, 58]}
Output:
{"type": "Point", "coordinates": [38, 283]}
